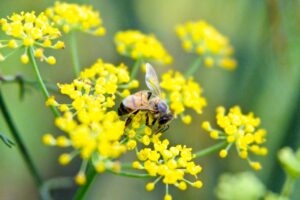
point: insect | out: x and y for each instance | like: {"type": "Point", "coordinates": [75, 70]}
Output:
{"type": "Point", "coordinates": [149, 101]}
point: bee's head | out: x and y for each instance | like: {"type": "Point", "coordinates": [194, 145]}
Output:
{"type": "Point", "coordinates": [162, 107]}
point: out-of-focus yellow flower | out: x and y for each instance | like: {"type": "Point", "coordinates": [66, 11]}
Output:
{"type": "Point", "coordinates": [134, 44]}
{"type": "Point", "coordinates": [168, 163]}
{"type": "Point", "coordinates": [182, 93]}
{"type": "Point", "coordinates": [203, 39]}
{"type": "Point", "coordinates": [241, 130]}
{"type": "Point", "coordinates": [71, 16]}
{"type": "Point", "coordinates": [30, 30]}
{"type": "Point", "coordinates": [92, 129]}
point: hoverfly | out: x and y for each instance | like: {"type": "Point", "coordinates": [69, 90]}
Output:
{"type": "Point", "coordinates": [149, 101]}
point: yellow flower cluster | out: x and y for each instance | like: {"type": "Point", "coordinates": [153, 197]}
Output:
{"type": "Point", "coordinates": [71, 17]}
{"type": "Point", "coordinates": [138, 131]}
{"type": "Point", "coordinates": [30, 30]}
{"type": "Point", "coordinates": [92, 129]}
{"type": "Point", "coordinates": [182, 93]}
{"type": "Point", "coordinates": [169, 163]}
{"type": "Point", "coordinates": [137, 45]}
{"type": "Point", "coordinates": [241, 130]}
{"type": "Point", "coordinates": [203, 39]}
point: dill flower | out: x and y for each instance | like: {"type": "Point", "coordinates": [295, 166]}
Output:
{"type": "Point", "coordinates": [92, 129]}
{"type": "Point", "coordinates": [138, 131]}
{"type": "Point", "coordinates": [136, 45]}
{"type": "Point", "coordinates": [30, 30]}
{"type": "Point", "coordinates": [182, 93]}
{"type": "Point", "coordinates": [168, 163]}
{"type": "Point", "coordinates": [203, 39]}
{"type": "Point", "coordinates": [244, 185]}
{"type": "Point", "coordinates": [241, 130]}
{"type": "Point", "coordinates": [71, 16]}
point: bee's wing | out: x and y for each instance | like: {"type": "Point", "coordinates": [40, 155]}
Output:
{"type": "Point", "coordinates": [152, 80]}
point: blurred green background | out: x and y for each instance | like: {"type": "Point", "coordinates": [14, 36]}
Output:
{"type": "Point", "coordinates": [266, 37]}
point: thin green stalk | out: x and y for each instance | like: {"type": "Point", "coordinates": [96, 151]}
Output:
{"type": "Point", "coordinates": [20, 144]}
{"type": "Point", "coordinates": [135, 68]}
{"type": "Point", "coordinates": [40, 80]}
{"type": "Point", "coordinates": [74, 53]}
{"type": "Point", "coordinates": [194, 67]}
{"type": "Point", "coordinates": [130, 174]}
{"type": "Point", "coordinates": [83, 189]}
{"type": "Point", "coordinates": [288, 187]}
{"type": "Point", "coordinates": [210, 150]}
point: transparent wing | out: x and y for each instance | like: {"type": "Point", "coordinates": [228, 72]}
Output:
{"type": "Point", "coordinates": [152, 80]}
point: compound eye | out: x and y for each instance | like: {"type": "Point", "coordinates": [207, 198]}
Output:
{"type": "Point", "coordinates": [162, 107]}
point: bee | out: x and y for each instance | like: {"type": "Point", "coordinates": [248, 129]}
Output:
{"type": "Point", "coordinates": [149, 101]}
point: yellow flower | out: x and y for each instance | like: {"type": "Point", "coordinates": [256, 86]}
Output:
{"type": "Point", "coordinates": [71, 16]}
{"type": "Point", "coordinates": [203, 39]}
{"type": "Point", "coordinates": [134, 44]}
{"type": "Point", "coordinates": [92, 129]}
{"type": "Point", "coordinates": [182, 93]}
{"type": "Point", "coordinates": [241, 130]}
{"type": "Point", "coordinates": [31, 30]}
{"type": "Point", "coordinates": [168, 163]}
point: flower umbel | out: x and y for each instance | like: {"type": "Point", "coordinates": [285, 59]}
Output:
{"type": "Point", "coordinates": [203, 39]}
{"type": "Point", "coordinates": [30, 30]}
{"type": "Point", "coordinates": [182, 93]}
{"type": "Point", "coordinates": [92, 130]}
{"type": "Point", "coordinates": [134, 44]}
{"type": "Point", "coordinates": [169, 163]}
{"type": "Point", "coordinates": [71, 16]}
{"type": "Point", "coordinates": [241, 130]}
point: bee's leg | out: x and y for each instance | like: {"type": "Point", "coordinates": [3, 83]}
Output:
{"type": "Point", "coordinates": [128, 120]}
{"type": "Point", "coordinates": [147, 119]}
{"type": "Point", "coordinates": [162, 129]}
{"type": "Point", "coordinates": [148, 123]}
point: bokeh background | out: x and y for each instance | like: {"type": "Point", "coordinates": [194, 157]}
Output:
{"type": "Point", "coordinates": [266, 38]}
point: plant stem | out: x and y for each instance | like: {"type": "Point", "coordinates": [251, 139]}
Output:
{"type": "Point", "coordinates": [74, 53]}
{"type": "Point", "coordinates": [130, 174]}
{"type": "Point", "coordinates": [83, 189]}
{"type": "Point", "coordinates": [135, 68]}
{"type": "Point", "coordinates": [20, 144]}
{"type": "Point", "coordinates": [40, 80]}
{"type": "Point", "coordinates": [193, 68]}
{"type": "Point", "coordinates": [210, 150]}
{"type": "Point", "coordinates": [287, 187]}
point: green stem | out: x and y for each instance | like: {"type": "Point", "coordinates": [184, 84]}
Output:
{"type": "Point", "coordinates": [135, 68]}
{"type": "Point", "coordinates": [20, 144]}
{"type": "Point", "coordinates": [40, 80]}
{"type": "Point", "coordinates": [130, 174]}
{"type": "Point", "coordinates": [193, 68]}
{"type": "Point", "coordinates": [211, 149]}
{"type": "Point", "coordinates": [74, 53]}
{"type": "Point", "coordinates": [83, 189]}
{"type": "Point", "coordinates": [288, 187]}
